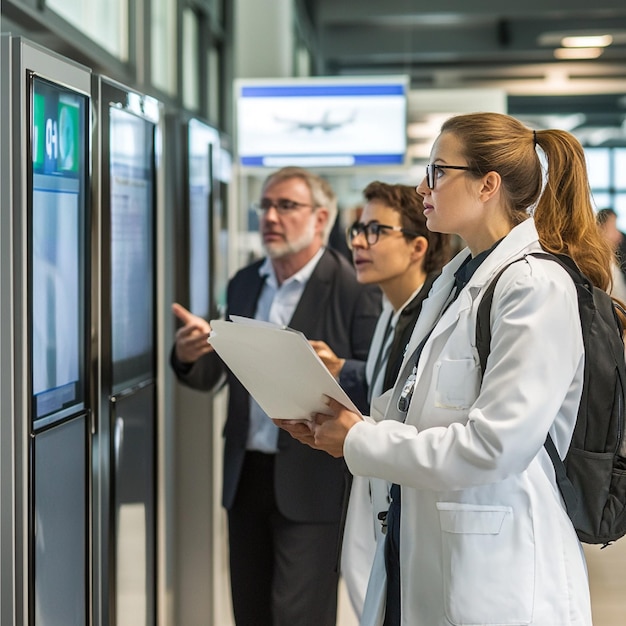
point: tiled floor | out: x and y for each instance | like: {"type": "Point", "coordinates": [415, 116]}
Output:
{"type": "Point", "coordinates": [607, 575]}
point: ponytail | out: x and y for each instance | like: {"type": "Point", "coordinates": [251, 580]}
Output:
{"type": "Point", "coordinates": [564, 216]}
{"type": "Point", "coordinates": [563, 213]}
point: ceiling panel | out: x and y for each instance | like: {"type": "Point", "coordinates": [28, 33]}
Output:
{"type": "Point", "coordinates": [488, 45]}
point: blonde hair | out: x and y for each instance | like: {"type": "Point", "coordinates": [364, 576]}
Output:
{"type": "Point", "coordinates": [563, 214]}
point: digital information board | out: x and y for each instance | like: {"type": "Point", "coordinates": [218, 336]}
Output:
{"type": "Point", "coordinates": [203, 146]}
{"type": "Point", "coordinates": [132, 245]}
{"type": "Point", "coordinates": [57, 248]}
{"type": "Point", "coordinates": [322, 122]}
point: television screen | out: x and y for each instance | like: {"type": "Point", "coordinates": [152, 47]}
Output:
{"type": "Point", "coordinates": [220, 228]}
{"type": "Point", "coordinates": [57, 230]}
{"type": "Point", "coordinates": [322, 122]}
{"type": "Point", "coordinates": [203, 147]}
{"type": "Point", "coordinates": [131, 154]}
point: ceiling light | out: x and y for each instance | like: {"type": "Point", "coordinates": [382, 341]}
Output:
{"type": "Point", "coordinates": [578, 53]}
{"type": "Point", "coordinates": [588, 41]}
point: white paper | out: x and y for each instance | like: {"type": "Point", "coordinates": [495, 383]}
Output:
{"type": "Point", "coordinates": [277, 366]}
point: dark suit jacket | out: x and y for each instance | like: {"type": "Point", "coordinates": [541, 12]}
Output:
{"type": "Point", "coordinates": [334, 308]}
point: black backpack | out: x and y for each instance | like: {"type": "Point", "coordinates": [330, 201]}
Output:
{"type": "Point", "coordinates": [592, 478]}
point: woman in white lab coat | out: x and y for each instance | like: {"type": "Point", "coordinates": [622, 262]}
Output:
{"type": "Point", "coordinates": [478, 528]}
{"type": "Point", "coordinates": [392, 248]}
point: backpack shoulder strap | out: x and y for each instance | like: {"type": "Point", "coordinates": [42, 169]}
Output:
{"type": "Point", "coordinates": [567, 489]}
{"type": "Point", "coordinates": [483, 345]}
{"type": "Point", "coordinates": [483, 316]}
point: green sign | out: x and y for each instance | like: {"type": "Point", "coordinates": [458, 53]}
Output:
{"type": "Point", "coordinates": [68, 124]}
{"type": "Point", "coordinates": [39, 130]}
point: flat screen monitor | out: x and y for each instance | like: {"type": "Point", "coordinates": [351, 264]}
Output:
{"type": "Point", "coordinates": [203, 153]}
{"type": "Point", "coordinates": [322, 122]}
{"type": "Point", "coordinates": [132, 195]}
{"type": "Point", "coordinates": [221, 242]}
{"type": "Point", "coordinates": [57, 239]}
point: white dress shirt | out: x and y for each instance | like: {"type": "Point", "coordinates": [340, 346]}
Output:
{"type": "Point", "coordinates": [277, 304]}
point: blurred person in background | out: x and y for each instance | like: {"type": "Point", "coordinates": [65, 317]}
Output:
{"type": "Point", "coordinates": [607, 222]}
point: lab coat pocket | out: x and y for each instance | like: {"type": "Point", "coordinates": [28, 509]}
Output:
{"type": "Point", "coordinates": [456, 383]}
{"type": "Point", "coordinates": [488, 574]}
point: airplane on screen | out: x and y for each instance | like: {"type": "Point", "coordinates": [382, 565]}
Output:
{"type": "Point", "coordinates": [326, 123]}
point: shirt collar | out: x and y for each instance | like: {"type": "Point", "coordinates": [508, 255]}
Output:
{"type": "Point", "coordinates": [395, 315]}
{"type": "Point", "coordinates": [465, 272]}
{"type": "Point", "coordinates": [266, 270]}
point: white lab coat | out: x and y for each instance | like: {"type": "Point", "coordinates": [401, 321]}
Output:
{"type": "Point", "coordinates": [362, 529]}
{"type": "Point", "coordinates": [368, 496]}
{"type": "Point", "coordinates": [484, 535]}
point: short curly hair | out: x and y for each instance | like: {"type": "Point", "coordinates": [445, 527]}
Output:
{"type": "Point", "coordinates": [408, 203]}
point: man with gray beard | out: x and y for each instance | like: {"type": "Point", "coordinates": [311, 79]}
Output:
{"type": "Point", "coordinates": [284, 500]}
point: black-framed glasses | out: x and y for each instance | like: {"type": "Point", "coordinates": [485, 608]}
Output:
{"type": "Point", "coordinates": [372, 231]}
{"type": "Point", "coordinates": [431, 171]}
{"type": "Point", "coordinates": [283, 206]}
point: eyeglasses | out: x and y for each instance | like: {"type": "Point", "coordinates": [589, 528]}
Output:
{"type": "Point", "coordinates": [282, 206]}
{"type": "Point", "coordinates": [431, 169]}
{"type": "Point", "coordinates": [372, 231]}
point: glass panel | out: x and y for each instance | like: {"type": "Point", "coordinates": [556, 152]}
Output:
{"type": "Point", "coordinates": [601, 200]}
{"type": "Point", "coordinates": [135, 516]}
{"type": "Point", "coordinates": [164, 53]}
{"type": "Point", "coordinates": [132, 265]}
{"type": "Point", "coordinates": [60, 478]}
{"type": "Point", "coordinates": [302, 61]}
{"type": "Point", "coordinates": [598, 162]}
{"type": "Point", "coordinates": [57, 245]}
{"type": "Point", "coordinates": [224, 174]}
{"type": "Point", "coordinates": [217, 10]}
{"type": "Point", "coordinates": [201, 157]}
{"type": "Point", "coordinates": [191, 96]}
{"type": "Point", "coordinates": [213, 83]}
{"type": "Point", "coordinates": [620, 209]}
{"type": "Point", "coordinates": [620, 168]}
{"type": "Point", "coordinates": [104, 21]}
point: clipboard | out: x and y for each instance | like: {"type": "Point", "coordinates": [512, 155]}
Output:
{"type": "Point", "coordinates": [277, 366]}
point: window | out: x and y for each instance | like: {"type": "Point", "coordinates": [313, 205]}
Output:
{"type": "Point", "coordinates": [191, 79]}
{"type": "Point", "coordinates": [103, 21]}
{"type": "Point", "coordinates": [164, 50]}
{"type": "Point", "coordinates": [607, 179]}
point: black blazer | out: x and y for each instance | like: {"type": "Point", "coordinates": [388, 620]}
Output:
{"type": "Point", "coordinates": [334, 308]}
{"type": "Point", "coordinates": [352, 376]}
{"type": "Point", "coordinates": [404, 330]}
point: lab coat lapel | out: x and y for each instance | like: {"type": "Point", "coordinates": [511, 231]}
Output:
{"type": "Point", "coordinates": [435, 314]}
{"type": "Point", "coordinates": [419, 352]}
{"type": "Point", "coordinates": [435, 303]}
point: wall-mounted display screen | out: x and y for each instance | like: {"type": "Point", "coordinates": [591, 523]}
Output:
{"type": "Point", "coordinates": [203, 153]}
{"type": "Point", "coordinates": [322, 122]}
{"type": "Point", "coordinates": [57, 212]}
{"type": "Point", "coordinates": [132, 175]}
{"type": "Point", "coordinates": [221, 273]}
